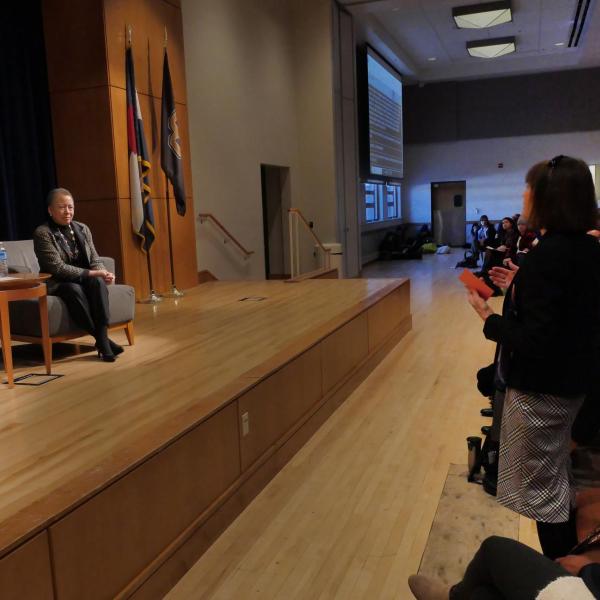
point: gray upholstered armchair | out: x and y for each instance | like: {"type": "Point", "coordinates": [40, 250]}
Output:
{"type": "Point", "coordinates": [24, 314]}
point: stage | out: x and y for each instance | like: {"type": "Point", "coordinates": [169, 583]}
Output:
{"type": "Point", "coordinates": [116, 477]}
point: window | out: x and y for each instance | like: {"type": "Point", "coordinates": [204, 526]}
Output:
{"type": "Point", "coordinates": [382, 202]}
{"type": "Point", "coordinates": [371, 203]}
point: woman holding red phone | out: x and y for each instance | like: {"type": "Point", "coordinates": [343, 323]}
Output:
{"type": "Point", "coordinates": [549, 337]}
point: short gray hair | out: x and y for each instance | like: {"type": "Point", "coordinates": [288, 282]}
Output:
{"type": "Point", "coordinates": [57, 192]}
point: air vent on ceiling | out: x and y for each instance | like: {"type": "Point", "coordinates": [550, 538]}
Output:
{"type": "Point", "coordinates": [579, 22]}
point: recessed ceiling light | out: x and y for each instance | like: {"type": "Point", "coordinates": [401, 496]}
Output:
{"type": "Point", "coordinates": [432, 59]}
{"type": "Point", "coordinates": [480, 16]}
{"type": "Point", "coordinates": [559, 44]}
{"type": "Point", "coordinates": [492, 48]}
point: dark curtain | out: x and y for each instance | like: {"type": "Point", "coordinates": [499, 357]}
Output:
{"type": "Point", "coordinates": [27, 169]}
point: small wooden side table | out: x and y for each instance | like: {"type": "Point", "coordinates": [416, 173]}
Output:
{"type": "Point", "coordinates": [23, 286]}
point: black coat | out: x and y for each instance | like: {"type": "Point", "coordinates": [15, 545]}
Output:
{"type": "Point", "coordinates": [552, 333]}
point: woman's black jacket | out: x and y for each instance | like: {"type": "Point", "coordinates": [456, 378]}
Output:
{"type": "Point", "coordinates": [552, 332]}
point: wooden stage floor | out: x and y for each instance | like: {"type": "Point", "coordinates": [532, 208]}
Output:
{"type": "Point", "coordinates": [64, 441]}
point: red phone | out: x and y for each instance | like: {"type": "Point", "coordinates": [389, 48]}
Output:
{"type": "Point", "coordinates": [473, 283]}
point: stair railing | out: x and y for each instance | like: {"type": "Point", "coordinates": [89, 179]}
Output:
{"type": "Point", "coordinates": [295, 219]}
{"type": "Point", "coordinates": [227, 235]}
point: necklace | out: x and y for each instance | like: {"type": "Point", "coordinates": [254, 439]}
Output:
{"type": "Point", "coordinates": [70, 245]}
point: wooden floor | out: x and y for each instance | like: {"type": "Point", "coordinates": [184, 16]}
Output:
{"type": "Point", "coordinates": [349, 516]}
{"type": "Point", "coordinates": [61, 442]}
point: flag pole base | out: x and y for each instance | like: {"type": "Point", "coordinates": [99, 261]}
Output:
{"type": "Point", "coordinates": [153, 298]}
{"type": "Point", "coordinates": [175, 292]}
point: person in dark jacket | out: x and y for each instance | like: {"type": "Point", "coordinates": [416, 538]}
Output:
{"type": "Point", "coordinates": [507, 238]}
{"type": "Point", "coordinates": [505, 568]}
{"type": "Point", "coordinates": [549, 342]}
{"type": "Point", "coordinates": [65, 249]}
{"type": "Point", "coordinates": [483, 236]}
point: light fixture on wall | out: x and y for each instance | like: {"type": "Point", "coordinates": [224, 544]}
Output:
{"type": "Point", "coordinates": [480, 16]}
{"type": "Point", "coordinates": [492, 48]}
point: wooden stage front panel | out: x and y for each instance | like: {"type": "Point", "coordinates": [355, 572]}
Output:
{"type": "Point", "coordinates": [116, 477]}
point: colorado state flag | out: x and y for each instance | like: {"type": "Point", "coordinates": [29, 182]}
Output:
{"type": "Point", "coordinates": [142, 216]}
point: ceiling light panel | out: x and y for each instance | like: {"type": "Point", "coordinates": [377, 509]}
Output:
{"type": "Point", "coordinates": [481, 16]}
{"type": "Point", "coordinates": [492, 48]}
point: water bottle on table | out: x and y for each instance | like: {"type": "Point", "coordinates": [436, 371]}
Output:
{"type": "Point", "coordinates": [3, 261]}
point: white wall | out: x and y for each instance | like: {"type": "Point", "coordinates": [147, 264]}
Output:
{"type": "Point", "coordinates": [259, 92]}
{"type": "Point", "coordinates": [493, 191]}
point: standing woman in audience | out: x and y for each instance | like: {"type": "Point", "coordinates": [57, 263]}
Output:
{"type": "Point", "coordinates": [550, 347]}
{"type": "Point", "coordinates": [483, 236]}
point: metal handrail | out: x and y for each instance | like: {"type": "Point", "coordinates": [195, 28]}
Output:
{"type": "Point", "coordinates": [309, 228]}
{"type": "Point", "coordinates": [294, 241]}
{"type": "Point", "coordinates": [228, 235]}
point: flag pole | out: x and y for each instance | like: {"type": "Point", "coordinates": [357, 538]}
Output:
{"type": "Point", "coordinates": [153, 298]}
{"type": "Point", "coordinates": [175, 292]}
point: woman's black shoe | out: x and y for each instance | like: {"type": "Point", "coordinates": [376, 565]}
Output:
{"type": "Point", "coordinates": [116, 349]}
{"type": "Point", "coordinates": [105, 351]}
{"type": "Point", "coordinates": [108, 357]}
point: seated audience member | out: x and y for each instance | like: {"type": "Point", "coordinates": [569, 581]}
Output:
{"type": "Point", "coordinates": [505, 247]}
{"type": "Point", "coordinates": [484, 235]}
{"type": "Point", "coordinates": [506, 569]}
{"type": "Point", "coordinates": [65, 249]}
{"type": "Point", "coordinates": [526, 241]}
{"type": "Point", "coordinates": [507, 238]}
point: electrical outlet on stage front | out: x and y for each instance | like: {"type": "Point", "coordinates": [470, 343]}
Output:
{"type": "Point", "coordinates": [245, 424]}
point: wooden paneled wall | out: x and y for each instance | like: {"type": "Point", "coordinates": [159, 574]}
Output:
{"type": "Point", "coordinates": [85, 47]}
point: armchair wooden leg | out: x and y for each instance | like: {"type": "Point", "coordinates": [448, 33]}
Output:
{"type": "Point", "coordinates": [129, 332]}
{"type": "Point", "coordinates": [5, 339]}
{"type": "Point", "coordinates": [46, 341]}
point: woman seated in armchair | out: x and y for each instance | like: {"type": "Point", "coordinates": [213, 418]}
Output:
{"type": "Point", "coordinates": [65, 249]}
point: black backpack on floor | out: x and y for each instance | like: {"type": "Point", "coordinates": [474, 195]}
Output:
{"type": "Point", "coordinates": [470, 261]}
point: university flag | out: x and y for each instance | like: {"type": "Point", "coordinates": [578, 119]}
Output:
{"type": "Point", "coordinates": [170, 144]}
{"type": "Point", "coordinates": [142, 216]}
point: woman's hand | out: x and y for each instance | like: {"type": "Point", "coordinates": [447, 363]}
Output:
{"type": "Point", "coordinates": [104, 274]}
{"type": "Point", "coordinates": [481, 307]}
{"type": "Point", "coordinates": [573, 563]}
{"type": "Point", "coordinates": [503, 276]}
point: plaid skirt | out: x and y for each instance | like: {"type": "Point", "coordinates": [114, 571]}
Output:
{"type": "Point", "coordinates": [534, 467]}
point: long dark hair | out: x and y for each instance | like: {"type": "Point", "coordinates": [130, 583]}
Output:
{"type": "Point", "coordinates": [563, 196]}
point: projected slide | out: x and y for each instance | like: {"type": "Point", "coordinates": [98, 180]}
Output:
{"type": "Point", "coordinates": [385, 120]}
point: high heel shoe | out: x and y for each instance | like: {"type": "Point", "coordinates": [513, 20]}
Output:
{"type": "Point", "coordinates": [106, 357]}
{"type": "Point", "coordinates": [116, 349]}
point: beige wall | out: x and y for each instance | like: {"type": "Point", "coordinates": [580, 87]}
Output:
{"type": "Point", "coordinates": [259, 78]}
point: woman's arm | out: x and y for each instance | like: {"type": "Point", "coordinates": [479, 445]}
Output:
{"type": "Point", "coordinates": [98, 269]}
{"type": "Point", "coordinates": [95, 262]}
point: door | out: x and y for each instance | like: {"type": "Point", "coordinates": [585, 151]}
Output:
{"type": "Point", "coordinates": [448, 212]}
{"type": "Point", "coordinates": [275, 197]}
